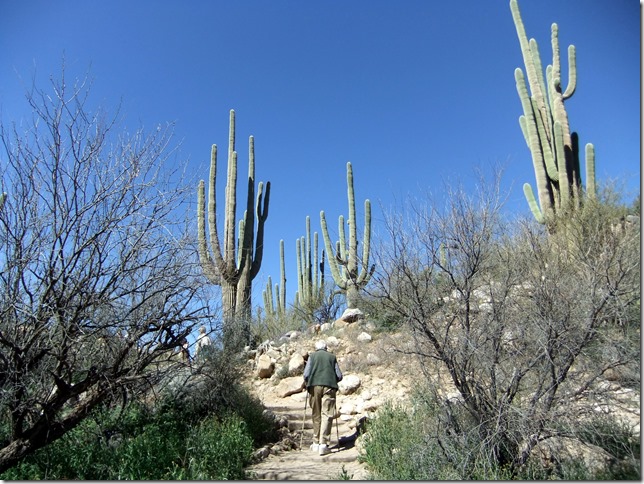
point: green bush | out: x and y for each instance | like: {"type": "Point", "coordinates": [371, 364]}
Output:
{"type": "Point", "coordinates": [396, 448]}
{"type": "Point", "coordinates": [422, 443]}
{"type": "Point", "coordinates": [171, 441]}
{"type": "Point", "coordinates": [219, 450]}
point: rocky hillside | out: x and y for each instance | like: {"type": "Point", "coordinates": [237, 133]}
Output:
{"type": "Point", "coordinates": [374, 372]}
{"type": "Point", "coordinates": [377, 368]}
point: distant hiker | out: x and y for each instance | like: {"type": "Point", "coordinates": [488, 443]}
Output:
{"type": "Point", "coordinates": [185, 351]}
{"type": "Point", "coordinates": [321, 377]}
{"type": "Point", "coordinates": [203, 341]}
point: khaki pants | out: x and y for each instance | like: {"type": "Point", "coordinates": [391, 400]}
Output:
{"type": "Point", "coordinates": [322, 403]}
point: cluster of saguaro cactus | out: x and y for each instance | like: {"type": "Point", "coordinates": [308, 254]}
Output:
{"type": "Point", "coordinates": [310, 271]}
{"type": "Point", "coordinates": [234, 267]}
{"type": "Point", "coordinates": [554, 149]}
{"type": "Point", "coordinates": [276, 307]}
{"type": "Point", "coordinates": [350, 272]}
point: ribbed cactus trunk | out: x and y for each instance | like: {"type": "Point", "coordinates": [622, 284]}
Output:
{"type": "Point", "coordinates": [350, 272]}
{"type": "Point", "coordinates": [235, 267]}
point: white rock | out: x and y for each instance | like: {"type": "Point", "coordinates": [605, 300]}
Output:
{"type": "Point", "coordinates": [296, 363]}
{"type": "Point", "coordinates": [332, 342]}
{"type": "Point", "coordinates": [351, 315]}
{"type": "Point", "coordinates": [289, 386]}
{"type": "Point", "coordinates": [364, 337]}
{"type": "Point", "coordinates": [265, 366]}
{"type": "Point", "coordinates": [349, 384]}
{"type": "Point", "coordinates": [373, 359]}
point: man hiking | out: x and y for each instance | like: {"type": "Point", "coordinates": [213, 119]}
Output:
{"type": "Point", "coordinates": [321, 377]}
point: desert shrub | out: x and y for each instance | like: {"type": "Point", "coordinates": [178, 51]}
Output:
{"type": "Point", "coordinates": [619, 441]}
{"type": "Point", "coordinates": [146, 446]}
{"type": "Point", "coordinates": [435, 439]}
{"type": "Point", "coordinates": [202, 426]}
{"type": "Point", "coordinates": [218, 449]}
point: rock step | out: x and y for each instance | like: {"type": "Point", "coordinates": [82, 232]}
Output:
{"type": "Point", "coordinates": [305, 464]}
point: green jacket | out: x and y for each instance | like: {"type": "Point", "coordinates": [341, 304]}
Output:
{"type": "Point", "coordinates": [322, 370]}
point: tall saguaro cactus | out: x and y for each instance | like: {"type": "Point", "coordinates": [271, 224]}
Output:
{"type": "Point", "coordinates": [350, 272]}
{"type": "Point", "coordinates": [554, 149]}
{"type": "Point", "coordinates": [234, 267]}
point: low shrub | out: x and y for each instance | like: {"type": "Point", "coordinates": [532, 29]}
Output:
{"type": "Point", "coordinates": [175, 440]}
{"type": "Point", "coordinates": [421, 442]}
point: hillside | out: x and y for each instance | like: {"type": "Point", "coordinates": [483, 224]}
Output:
{"type": "Point", "coordinates": [377, 368]}
{"type": "Point", "coordinates": [375, 371]}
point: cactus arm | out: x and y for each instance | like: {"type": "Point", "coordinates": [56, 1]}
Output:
{"type": "Point", "coordinates": [268, 298]}
{"type": "Point", "coordinates": [300, 271]}
{"type": "Point", "coordinates": [333, 262]}
{"type": "Point", "coordinates": [572, 73]}
{"type": "Point", "coordinates": [308, 276]}
{"type": "Point", "coordinates": [366, 272]}
{"type": "Point", "coordinates": [262, 215]}
{"type": "Point", "coordinates": [530, 127]}
{"type": "Point", "coordinates": [532, 202]}
{"type": "Point", "coordinates": [282, 287]}
{"type": "Point", "coordinates": [230, 256]}
{"type": "Point", "coordinates": [591, 190]}
{"type": "Point", "coordinates": [315, 267]}
{"type": "Point", "coordinates": [352, 260]}
{"type": "Point", "coordinates": [564, 181]}
{"type": "Point", "coordinates": [209, 267]}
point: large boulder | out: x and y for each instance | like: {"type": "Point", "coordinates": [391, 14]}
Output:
{"type": "Point", "coordinates": [265, 366]}
{"type": "Point", "coordinates": [364, 337]}
{"type": "Point", "coordinates": [296, 364]}
{"type": "Point", "coordinates": [349, 384]}
{"type": "Point", "coordinates": [289, 386]}
{"type": "Point", "coordinates": [351, 315]}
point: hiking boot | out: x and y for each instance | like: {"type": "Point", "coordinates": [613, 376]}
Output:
{"type": "Point", "coordinates": [315, 447]}
{"type": "Point", "coordinates": [324, 449]}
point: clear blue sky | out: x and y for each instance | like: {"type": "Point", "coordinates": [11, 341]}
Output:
{"type": "Point", "coordinates": [412, 92]}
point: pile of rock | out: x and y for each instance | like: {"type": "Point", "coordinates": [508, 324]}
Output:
{"type": "Point", "coordinates": [277, 366]}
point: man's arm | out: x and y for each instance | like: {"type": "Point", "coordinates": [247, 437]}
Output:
{"type": "Point", "coordinates": [338, 373]}
{"type": "Point", "coordinates": [307, 370]}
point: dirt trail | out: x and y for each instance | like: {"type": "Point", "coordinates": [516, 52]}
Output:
{"type": "Point", "coordinates": [305, 464]}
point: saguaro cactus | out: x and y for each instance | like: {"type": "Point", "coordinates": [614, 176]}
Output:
{"type": "Point", "coordinates": [279, 308]}
{"type": "Point", "coordinates": [554, 149]}
{"type": "Point", "coordinates": [310, 271]}
{"type": "Point", "coordinates": [350, 273]}
{"type": "Point", "coordinates": [236, 266]}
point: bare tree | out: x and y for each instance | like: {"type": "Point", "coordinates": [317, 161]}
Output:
{"type": "Point", "coordinates": [99, 283]}
{"type": "Point", "coordinates": [524, 327]}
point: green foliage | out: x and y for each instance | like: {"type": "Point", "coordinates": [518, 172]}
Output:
{"type": "Point", "coordinates": [179, 438]}
{"type": "Point", "coordinates": [619, 441]}
{"type": "Point", "coordinates": [219, 449]}
{"type": "Point", "coordinates": [344, 475]}
{"type": "Point", "coordinates": [436, 440]}
{"type": "Point", "coordinates": [396, 448]}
